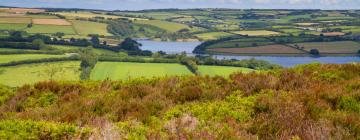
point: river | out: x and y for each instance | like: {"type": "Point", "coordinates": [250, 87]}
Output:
{"type": "Point", "coordinates": [188, 47]}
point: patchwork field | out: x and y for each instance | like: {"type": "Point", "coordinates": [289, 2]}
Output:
{"type": "Point", "coordinates": [240, 43]}
{"type": "Point", "coordinates": [123, 70]}
{"type": "Point", "coordinates": [212, 35]}
{"type": "Point", "coordinates": [18, 57]}
{"type": "Point", "coordinates": [87, 27]}
{"type": "Point", "coordinates": [268, 49]}
{"type": "Point", "coordinates": [9, 26]}
{"type": "Point", "coordinates": [21, 10]}
{"type": "Point", "coordinates": [32, 73]}
{"type": "Point", "coordinates": [50, 22]}
{"type": "Point", "coordinates": [168, 26]}
{"type": "Point", "coordinates": [256, 33]}
{"type": "Point", "coordinates": [15, 20]}
{"type": "Point", "coordinates": [50, 29]}
{"type": "Point", "coordinates": [221, 70]}
{"type": "Point", "coordinates": [332, 47]}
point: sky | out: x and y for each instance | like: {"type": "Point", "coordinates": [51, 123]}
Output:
{"type": "Point", "coordinates": [185, 4]}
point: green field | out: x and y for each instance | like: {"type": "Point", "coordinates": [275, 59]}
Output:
{"type": "Point", "coordinates": [212, 35]}
{"type": "Point", "coordinates": [333, 47]}
{"type": "Point", "coordinates": [168, 26]}
{"type": "Point", "coordinates": [32, 73]}
{"type": "Point", "coordinates": [86, 27]}
{"type": "Point", "coordinates": [8, 26]}
{"type": "Point", "coordinates": [256, 33]}
{"type": "Point", "coordinates": [122, 70]}
{"type": "Point", "coordinates": [74, 49]}
{"type": "Point", "coordinates": [50, 29]}
{"type": "Point", "coordinates": [19, 57]}
{"type": "Point", "coordinates": [15, 20]}
{"type": "Point", "coordinates": [221, 70]}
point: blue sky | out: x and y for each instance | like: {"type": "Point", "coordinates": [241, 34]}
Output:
{"type": "Point", "coordinates": [156, 4]}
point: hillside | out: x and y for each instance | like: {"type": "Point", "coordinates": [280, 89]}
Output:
{"type": "Point", "coordinates": [311, 101]}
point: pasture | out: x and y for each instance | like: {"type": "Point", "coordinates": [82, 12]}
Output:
{"type": "Point", "coordinates": [168, 26]}
{"type": "Point", "coordinates": [212, 35]}
{"type": "Point", "coordinates": [15, 20]}
{"type": "Point", "coordinates": [332, 47]}
{"type": "Point", "coordinates": [32, 73]}
{"type": "Point", "coordinates": [256, 33]}
{"type": "Point", "coordinates": [124, 70]}
{"type": "Point", "coordinates": [50, 29]}
{"type": "Point", "coordinates": [221, 70]}
{"type": "Point", "coordinates": [267, 49]}
{"type": "Point", "coordinates": [87, 27]}
{"type": "Point", "coordinates": [50, 22]}
{"type": "Point", "coordinates": [19, 57]}
{"type": "Point", "coordinates": [9, 26]}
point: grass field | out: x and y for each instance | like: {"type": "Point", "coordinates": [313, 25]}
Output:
{"type": "Point", "coordinates": [32, 73]}
{"type": "Point", "coordinates": [87, 27]}
{"type": "Point", "coordinates": [168, 26]}
{"type": "Point", "coordinates": [9, 26]}
{"type": "Point", "coordinates": [240, 43]}
{"type": "Point", "coordinates": [333, 47]}
{"type": "Point", "coordinates": [221, 70]}
{"type": "Point", "coordinates": [15, 20]}
{"type": "Point", "coordinates": [212, 35]}
{"type": "Point", "coordinates": [122, 70]}
{"type": "Point", "coordinates": [256, 33]}
{"type": "Point", "coordinates": [268, 49]}
{"type": "Point", "coordinates": [50, 21]}
{"type": "Point", "coordinates": [18, 57]}
{"type": "Point", "coordinates": [50, 29]}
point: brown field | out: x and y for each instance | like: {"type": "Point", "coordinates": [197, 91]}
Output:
{"type": "Point", "coordinates": [334, 34]}
{"type": "Point", "coordinates": [268, 49]}
{"type": "Point", "coordinates": [332, 47]}
{"type": "Point", "coordinates": [51, 22]}
{"type": "Point", "coordinates": [21, 10]}
{"type": "Point", "coordinates": [14, 20]}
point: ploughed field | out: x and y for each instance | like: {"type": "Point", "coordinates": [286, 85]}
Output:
{"type": "Point", "coordinates": [267, 49]}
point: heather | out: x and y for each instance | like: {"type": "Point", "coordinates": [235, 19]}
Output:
{"type": "Point", "coordinates": [313, 101]}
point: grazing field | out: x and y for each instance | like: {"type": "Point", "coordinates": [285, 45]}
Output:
{"type": "Point", "coordinates": [74, 49]}
{"type": "Point", "coordinates": [73, 15]}
{"type": "Point", "coordinates": [221, 70]}
{"type": "Point", "coordinates": [212, 35]}
{"type": "Point", "coordinates": [332, 47]}
{"type": "Point", "coordinates": [32, 73]}
{"type": "Point", "coordinates": [51, 22]}
{"type": "Point", "coordinates": [168, 26]}
{"type": "Point", "coordinates": [15, 20]}
{"type": "Point", "coordinates": [9, 26]}
{"type": "Point", "coordinates": [240, 43]}
{"type": "Point", "coordinates": [124, 70]}
{"type": "Point", "coordinates": [268, 49]}
{"type": "Point", "coordinates": [50, 29]}
{"type": "Point", "coordinates": [256, 33]}
{"type": "Point", "coordinates": [87, 27]}
{"type": "Point", "coordinates": [18, 57]}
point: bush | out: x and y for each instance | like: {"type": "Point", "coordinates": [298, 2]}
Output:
{"type": "Point", "coordinates": [314, 52]}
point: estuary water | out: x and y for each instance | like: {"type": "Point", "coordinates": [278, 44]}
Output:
{"type": "Point", "coordinates": [188, 47]}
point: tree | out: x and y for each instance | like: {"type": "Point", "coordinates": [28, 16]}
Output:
{"type": "Point", "coordinates": [88, 61]}
{"type": "Point", "coordinates": [314, 52]}
{"type": "Point", "coordinates": [59, 34]}
{"type": "Point", "coordinates": [130, 45]}
{"type": "Point", "coordinates": [39, 43]}
{"type": "Point", "coordinates": [95, 40]}
{"type": "Point", "coordinates": [29, 25]}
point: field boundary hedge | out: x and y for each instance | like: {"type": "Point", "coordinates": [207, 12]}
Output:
{"type": "Point", "coordinates": [34, 61]}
